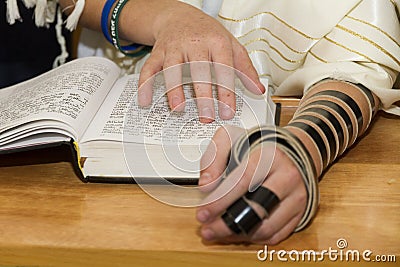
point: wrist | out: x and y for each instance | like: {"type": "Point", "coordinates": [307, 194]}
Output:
{"type": "Point", "coordinates": [138, 20]}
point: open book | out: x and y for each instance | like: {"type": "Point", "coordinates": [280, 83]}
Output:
{"type": "Point", "coordinates": [87, 104]}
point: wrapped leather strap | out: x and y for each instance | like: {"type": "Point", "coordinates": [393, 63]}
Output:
{"type": "Point", "coordinates": [264, 197]}
{"type": "Point", "coordinates": [240, 217]}
{"type": "Point", "coordinates": [294, 149]}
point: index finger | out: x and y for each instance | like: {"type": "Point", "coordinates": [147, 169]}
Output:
{"type": "Point", "coordinates": [201, 76]}
{"type": "Point", "coordinates": [245, 70]}
{"type": "Point", "coordinates": [225, 79]}
{"type": "Point", "coordinates": [152, 66]}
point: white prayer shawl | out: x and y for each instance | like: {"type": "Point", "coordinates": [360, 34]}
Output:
{"type": "Point", "coordinates": [298, 43]}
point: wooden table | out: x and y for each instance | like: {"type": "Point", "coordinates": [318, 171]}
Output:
{"type": "Point", "coordinates": [50, 218]}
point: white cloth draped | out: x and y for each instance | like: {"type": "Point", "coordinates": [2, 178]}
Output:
{"type": "Point", "coordinates": [298, 43]}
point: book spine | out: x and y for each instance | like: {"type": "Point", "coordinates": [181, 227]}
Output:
{"type": "Point", "coordinates": [77, 161]}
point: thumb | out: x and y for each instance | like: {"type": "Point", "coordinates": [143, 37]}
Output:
{"type": "Point", "coordinates": [214, 160]}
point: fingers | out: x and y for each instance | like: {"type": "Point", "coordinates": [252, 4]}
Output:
{"type": "Point", "coordinates": [250, 173]}
{"type": "Point", "coordinates": [272, 230]}
{"type": "Point", "coordinates": [228, 57]}
{"type": "Point", "coordinates": [173, 81]}
{"type": "Point", "coordinates": [284, 179]}
{"type": "Point", "coordinates": [222, 54]}
{"type": "Point", "coordinates": [282, 221]}
{"type": "Point", "coordinates": [152, 65]}
{"type": "Point", "coordinates": [245, 70]}
{"type": "Point", "coordinates": [234, 186]}
{"type": "Point", "coordinates": [214, 160]}
{"type": "Point", "coordinates": [181, 38]}
{"type": "Point", "coordinates": [282, 234]}
{"type": "Point", "coordinates": [201, 76]}
{"type": "Point", "coordinates": [171, 64]}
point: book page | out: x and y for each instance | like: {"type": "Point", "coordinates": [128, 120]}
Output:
{"type": "Point", "coordinates": [121, 119]}
{"type": "Point", "coordinates": [71, 94]}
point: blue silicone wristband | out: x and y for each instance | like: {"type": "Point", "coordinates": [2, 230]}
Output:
{"type": "Point", "coordinates": [104, 25]}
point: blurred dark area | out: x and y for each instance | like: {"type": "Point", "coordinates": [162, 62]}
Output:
{"type": "Point", "coordinates": [25, 49]}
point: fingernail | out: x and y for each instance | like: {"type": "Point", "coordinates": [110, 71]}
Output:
{"type": "Point", "coordinates": [208, 234]}
{"type": "Point", "coordinates": [144, 100]}
{"type": "Point", "coordinates": [226, 112]}
{"type": "Point", "coordinates": [206, 113]}
{"type": "Point", "coordinates": [203, 215]}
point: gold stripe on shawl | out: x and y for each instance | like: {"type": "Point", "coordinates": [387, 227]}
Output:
{"type": "Point", "coordinates": [349, 49]}
{"type": "Point", "coordinates": [317, 57]}
{"type": "Point", "coordinates": [272, 48]}
{"type": "Point", "coordinates": [376, 28]}
{"type": "Point", "coordinates": [273, 61]}
{"type": "Point", "coordinates": [275, 36]}
{"type": "Point", "coordinates": [274, 16]}
{"type": "Point", "coordinates": [370, 42]}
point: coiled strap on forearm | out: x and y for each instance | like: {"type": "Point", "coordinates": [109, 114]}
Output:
{"type": "Point", "coordinates": [293, 148]}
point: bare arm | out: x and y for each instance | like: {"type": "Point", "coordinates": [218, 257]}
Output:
{"type": "Point", "coordinates": [138, 19]}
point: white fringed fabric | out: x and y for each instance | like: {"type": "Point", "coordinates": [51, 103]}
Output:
{"type": "Point", "coordinates": [41, 13]}
{"type": "Point", "coordinates": [12, 11]}
{"type": "Point", "coordinates": [29, 3]}
{"type": "Point", "coordinates": [61, 40]}
{"type": "Point", "coordinates": [44, 14]}
{"type": "Point", "coordinates": [73, 18]}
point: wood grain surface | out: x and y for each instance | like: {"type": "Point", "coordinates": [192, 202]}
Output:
{"type": "Point", "coordinates": [48, 217]}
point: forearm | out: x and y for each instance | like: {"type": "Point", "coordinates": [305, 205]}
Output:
{"type": "Point", "coordinates": [330, 117]}
{"type": "Point", "coordinates": [139, 20]}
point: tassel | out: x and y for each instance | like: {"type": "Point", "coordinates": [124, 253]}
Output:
{"type": "Point", "coordinates": [12, 12]}
{"type": "Point", "coordinates": [73, 18]}
{"type": "Point", "coordinates": [29, 3]}
{"type": "Point", "coordinates": [40, 13]}
{"type": "Point", "coordinates": [51, 11]}
{"type": "Point", "coordinates": [59, 60]}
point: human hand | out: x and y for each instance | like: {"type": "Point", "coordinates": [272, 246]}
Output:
{"type": "Point", "coordinates": [267, 165]}
{"type": "Point", "coordinates": [183, 34]}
